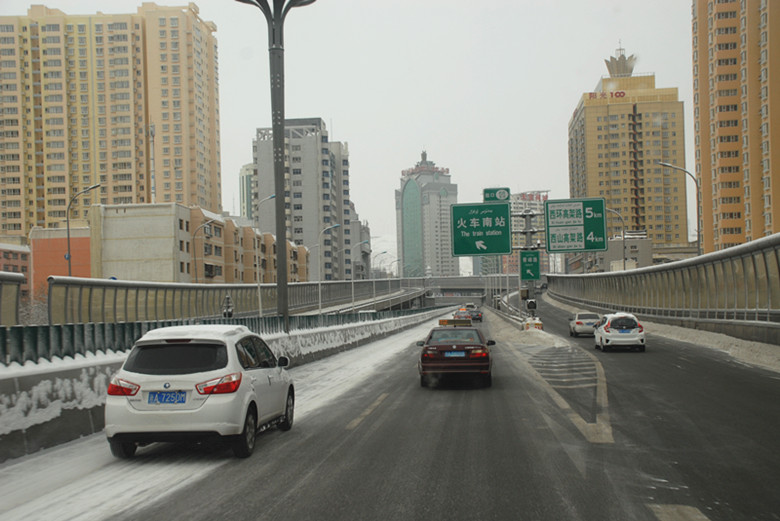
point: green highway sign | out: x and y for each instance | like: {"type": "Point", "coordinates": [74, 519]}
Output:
{"type": "Point", "coordinates": [529, 265]}
{"type": "Point", "coordinates": [481, 229]}
{"type": "Point", "coordinates": [495, 195]}
{"type": "Point", "coordinates": [575, 225]}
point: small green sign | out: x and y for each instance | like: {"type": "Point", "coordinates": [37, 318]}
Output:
{"type": "Point", "coordinates": [575, 225]}
{"type": "Point", "coordinates": [529, 265]}
{"type": "Point", "coordinates": [495, 195]}
{"type": "Point", "coordinates": [481, 229]}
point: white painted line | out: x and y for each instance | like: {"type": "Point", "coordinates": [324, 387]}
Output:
{"type": "Point", "coordinates": [677, 513]}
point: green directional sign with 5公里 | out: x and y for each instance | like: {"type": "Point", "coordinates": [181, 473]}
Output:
{"type": "Point", "coordinates": [575, 225]}
{"type": "Point", "coordinates": [529, 265]}
{"type": "Point", "coordinates": [481, 229]}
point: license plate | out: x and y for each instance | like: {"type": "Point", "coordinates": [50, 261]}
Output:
{"type": "Point", "coordinates": [624, 330]}
{"type": "Point", "coordinates": [455, 354]}
{"type": "Point", "coordinates": [591, 324]}
{"type": "Point", "coordinates": [165, 397]}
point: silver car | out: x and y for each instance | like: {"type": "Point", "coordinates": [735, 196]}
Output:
{"type": "Point", "coordinates": [619, 330]}
{"type": "Point", "coordinates": [583, 323]}
{"type": "Point", "coordinates": [202, 381]}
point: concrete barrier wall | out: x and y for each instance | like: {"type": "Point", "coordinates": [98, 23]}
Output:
{"type": "Point", "coordinates": [47, 404]}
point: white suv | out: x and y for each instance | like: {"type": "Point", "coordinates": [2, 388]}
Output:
{"type": "Point", "coordinates": [198, 381]}
{"type": "Point", "coordinates": [619, 330]}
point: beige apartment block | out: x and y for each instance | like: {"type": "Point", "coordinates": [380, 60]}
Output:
{"type": "Point", "coordinates": [126, 101]}
{"type": "Point", "coordinates": [736, 77]}
{"type": "Point", "coordinates": [617, 135]}
{"type": "Point", "coordinates": [168, 242]}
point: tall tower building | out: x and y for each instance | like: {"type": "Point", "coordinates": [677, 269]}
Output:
{"type": "Point", "coordinates": [247, 188]}
{"type": "Point", "coordinates": [129, 101]}
{"type": "Point", "coordinates": [617, 135]}
{"type": "Point", "coordinates": [423, 221]}
{"type": "Point", "coordinates": [319, 210]}
{"type": "Point", "coordinates": [736, 83]}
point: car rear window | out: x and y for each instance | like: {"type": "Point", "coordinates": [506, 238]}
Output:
{"type": "Point", "coordinates": [176, 358]}
{"type": "Point", "coordinates": [588, 316]}
{"type": "Point", "coordinates": [454, 336]}
{"type": "Point", "coordinates": [623, 323]}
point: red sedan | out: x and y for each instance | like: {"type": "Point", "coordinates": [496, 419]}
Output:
{"type": "Point", "coordinates": [455, 347]}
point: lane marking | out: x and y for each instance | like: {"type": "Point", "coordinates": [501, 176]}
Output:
{"type": "Point", "coordinates": [354, 423]}
{"type": "Point", "coordinates": [677, 513]}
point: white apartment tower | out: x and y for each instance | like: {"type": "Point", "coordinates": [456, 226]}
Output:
{"type": "Point", "coordinates": [319, 211]}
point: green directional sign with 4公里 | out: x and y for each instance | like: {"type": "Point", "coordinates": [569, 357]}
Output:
{"type": "Point", "coordinates": [481, 229]}
{"type": "Point", "coordinates": [575, 225]}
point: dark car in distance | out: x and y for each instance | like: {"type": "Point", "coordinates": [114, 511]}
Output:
{"type": "Point", "coordinates": [455, 347]}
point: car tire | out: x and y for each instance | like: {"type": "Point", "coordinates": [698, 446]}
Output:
{"type": "Point", "coordinates": [641, 349]}
{"type": "Point", "coordinates": [244, 443]}
{"type": "Point", "coordinates": [487, 380]}
{"type": "Point", "coordinates": [122, 449]}
{"type": "Point", "coordinates": [604, 348]}
{"type": "Point", "coordinates": [289, 412]}
{"type": "Point", "coordinates": [423, 381]}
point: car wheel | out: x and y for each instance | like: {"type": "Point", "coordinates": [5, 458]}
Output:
{"type": "Point", "coordinates": [423, 381]}
{"type": "Point", "coordinates": [595, 343]}
{"type": "Point", "coordinates": [641, 349]}
{"type": "Point", "coordinates": [604, 348]}
{"type": "Point", "coordinates": [122, 449]}
{"type": "Point", "coordinates": [244, 443]}
{"type": "Point", "coordinates": [487, 380]}
{"type": "Point", "coordinates": [289, 411]}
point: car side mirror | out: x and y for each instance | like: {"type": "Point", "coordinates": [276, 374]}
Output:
{"type": "Point", "coordinates": [491, 342]}
{"type": "Point", "coordinates": [283, 361]}
{"type": "Point", "coordinates": [571, 318]}
{"type": "Point", "coordinates": [421, 343]}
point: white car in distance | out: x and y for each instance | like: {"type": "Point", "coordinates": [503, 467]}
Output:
{"type": "Point", "coordinates": [583, 323]}
{"type": "Point", "coordinates": [201, 381]}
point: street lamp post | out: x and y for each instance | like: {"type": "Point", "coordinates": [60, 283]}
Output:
{"type": "Point", "coordinates": [257, 257]}
{"type": "Point", "coordinates": [275, 19]}
{"type": "Point", "coordinates": [67, 220]}
{"type": "Point", "coordinates": [319, 268]}
{"type": "Point", "coordinates": [373, 278]}
{"type": "Point", "coordinates": [623, 224]}
{"type": "Point", "coordinates": [698, 201]}
{"type": "Point", "coordinates": [353, 271]}
{"type": "Point", "coordinates": [195, 250]}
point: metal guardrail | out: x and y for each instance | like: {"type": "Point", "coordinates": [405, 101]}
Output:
{"type": "Point", "coordinates": [734, 291]}
{"type": "Point", "coordinates": [21, 344]}
{"type": "Point", "coordinates": [77, 300]}
{"type": "Point", "coordinates": [10, 295]}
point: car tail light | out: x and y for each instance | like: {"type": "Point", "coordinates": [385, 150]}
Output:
{"type": "Point", "coordinates": [222, 385]}
{"type": "Point", "coordinates": [119, 387]}
{"type": "Point", "coordinates": [429, 353]}
{"type": "Point", "coordinates": [640, 328]}
{"type": "Point", "coordinates": [478, 353]}
{"type": "Point", "coordinates": [606, 328]}
{"type": "Point", "coordinates": [579, 323]}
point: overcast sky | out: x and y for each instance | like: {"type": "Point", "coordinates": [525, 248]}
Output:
{"type": "Point", "coordinates": [487, 88]}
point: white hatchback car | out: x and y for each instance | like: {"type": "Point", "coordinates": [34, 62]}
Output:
{"type": "Point", "coordinates": [619, 330]}
{"type": "Point", "coordinates": [583, 323]}
{"type": "Point", "coordinates": [201, 381]}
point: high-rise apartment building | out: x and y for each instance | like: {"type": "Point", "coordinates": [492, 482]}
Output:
{"type": "Point", "coordinates": [617, 135]}
{"type": "Point", "coordinates": [424, 221]}
{"type": "Point", "coordinates": [319, 210]}
{"type": "Point", "coordinates": [127, 101]}
{"type": "Point", "coordinates": [736, 83]}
